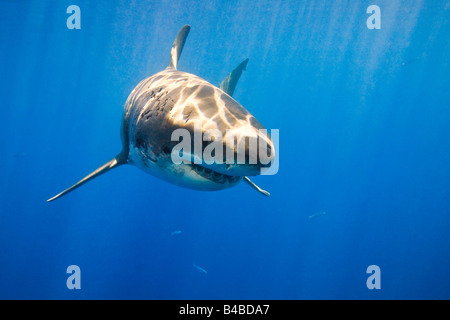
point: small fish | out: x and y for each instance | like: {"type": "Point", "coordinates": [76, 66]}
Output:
{"type": "Point", "coordinates": [320, 213]}
{"type": "Point", "coordinates": [200, 269]}
{"type": "Point", "coordinates": [174, 233]}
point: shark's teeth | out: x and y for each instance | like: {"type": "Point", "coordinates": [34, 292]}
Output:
{"type": "Point", "coordinates": [213, 175]}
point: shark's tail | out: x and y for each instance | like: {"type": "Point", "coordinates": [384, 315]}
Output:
{"type": "Point", "coordinates": [119, 160]}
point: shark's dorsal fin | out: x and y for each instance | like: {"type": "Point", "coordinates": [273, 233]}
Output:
{"type": "Point", "coordinates": [229, 83]}
{"type": "Point", "coordinates": [178, 45]}
{"type": "Point", "coordinates": [119, 160]}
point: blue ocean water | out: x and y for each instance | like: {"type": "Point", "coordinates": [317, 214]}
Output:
{"type": "Point", "coordinates": [363, 118]}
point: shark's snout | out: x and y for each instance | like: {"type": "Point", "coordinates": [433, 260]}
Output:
{"type": "Point", "coordinates": [244, 154]}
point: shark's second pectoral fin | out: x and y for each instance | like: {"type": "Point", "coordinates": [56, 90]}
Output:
{"type": "Point", "coordinates": [120, 159]}
{"type": "Point", "coordinates": [229, 83]}
{"type": "Point", "coordinates": [253, 185]}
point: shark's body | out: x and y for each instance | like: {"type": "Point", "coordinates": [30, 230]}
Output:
{"type": "Point", "coordinates": [171, 100]}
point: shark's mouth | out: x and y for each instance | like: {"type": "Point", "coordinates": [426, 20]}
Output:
{"type": "Point", "coordinates": [213, 175]}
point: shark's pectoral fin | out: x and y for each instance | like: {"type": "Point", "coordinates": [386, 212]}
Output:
{"type": "Point", "coordinates": [253, 185]}
{"type": "Point", "coordinates": [229, 83]}
{"type": "Point", "coordinates": [120, 159]}
{"type": "Point", "coordinates": [178, 45]}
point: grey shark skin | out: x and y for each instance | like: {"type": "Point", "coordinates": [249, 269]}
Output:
{"type": "Point", "coordinates": [170, 100]}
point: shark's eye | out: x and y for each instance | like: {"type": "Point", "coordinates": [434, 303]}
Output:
{"type": "Point", "coordinates": [140, 143]}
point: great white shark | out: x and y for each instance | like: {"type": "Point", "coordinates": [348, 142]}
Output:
{"type": "Point", "coordinates": [170, 100]}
